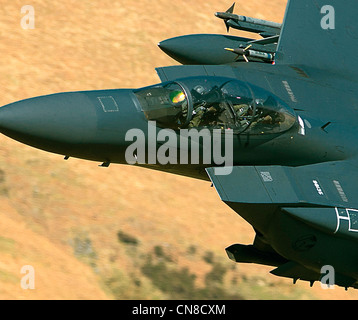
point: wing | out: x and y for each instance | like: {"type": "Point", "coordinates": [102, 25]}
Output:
{"type": "Point", "coordinates": [330, 184]}
{"type": "Point", "coordinates": [320, 36]}
{"type": "Point", "coordinates": [296, 203]}
{"type": "Point", "coordinates": [318, 195]}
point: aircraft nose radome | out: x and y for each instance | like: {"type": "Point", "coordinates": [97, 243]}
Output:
{"type": "Point", "coordinates": [60, 117]}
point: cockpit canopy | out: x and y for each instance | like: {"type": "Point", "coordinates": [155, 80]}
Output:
{"type": "Point", "coordinates": [215, 103]}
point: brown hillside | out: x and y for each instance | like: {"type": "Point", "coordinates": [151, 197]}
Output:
{"type": "Point", "coordinates": [94, 233]}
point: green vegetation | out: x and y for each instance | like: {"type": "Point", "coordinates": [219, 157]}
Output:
{"type": "Point", "coordinates": [179, 283]}
{"type": "Point", "coordinates": [126, 238]}
{"type": "Point", "coordinates": [155, 273]}
{"type": "Point", "coordinates": [7, 245]}
{"type": "Point", "coordinates": [83, 249]}
{"type": "Point", "coordinates": [160, 253]}
{"type": "Point", "coordinates": [4, 191]}
{"type": "Point", "coordinates": [174, 282]}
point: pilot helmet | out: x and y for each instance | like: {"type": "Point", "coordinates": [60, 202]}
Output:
{"type": "Point", "coordinates": [177, 96]}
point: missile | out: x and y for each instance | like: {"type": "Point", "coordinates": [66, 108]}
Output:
{"type": "Point", "coordinates": [255, 21]}
{"type": "Point", "coordinates": [245, 52]}
{"type": "Point", "coordinates": [263, 27]}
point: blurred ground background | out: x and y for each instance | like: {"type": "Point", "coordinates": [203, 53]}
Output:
{"type": "Point", "coordinates": [121, 232]}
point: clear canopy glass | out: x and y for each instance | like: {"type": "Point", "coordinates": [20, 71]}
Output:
{"type": "Point", "coordinates": [215, 103]}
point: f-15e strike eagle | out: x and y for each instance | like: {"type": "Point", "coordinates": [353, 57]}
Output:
{"type": "Point", "coordinates": [283, 109]}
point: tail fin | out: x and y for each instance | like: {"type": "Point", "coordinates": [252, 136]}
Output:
{"type": "Point", "coordinates": [230, 10]}
{"type": "Point", "coordinates": [320, 36]}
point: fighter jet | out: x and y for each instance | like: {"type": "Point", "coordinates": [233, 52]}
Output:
{"type": "Point", "coordinates": [283, 109]}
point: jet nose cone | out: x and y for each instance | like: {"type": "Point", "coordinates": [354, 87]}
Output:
{"type": "Point", "coordinates": [60, 117]}
{"type": "Point", "coordinates": [86, 124]}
